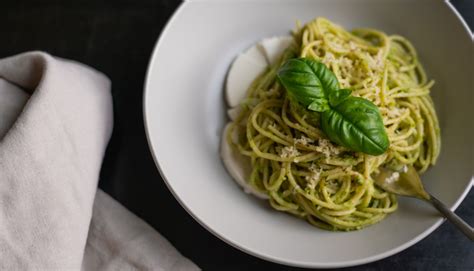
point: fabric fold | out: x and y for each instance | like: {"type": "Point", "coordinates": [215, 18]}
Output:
{"type": "Point", "coordinates": [56, 121]}
{"type": "Point", "coordinates": [128, 245]}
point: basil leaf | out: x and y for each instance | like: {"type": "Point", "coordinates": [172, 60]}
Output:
{"type": "Point", "coordinates": [337, 96]}
{"type": "Point", "coordinates": [356, 123]}
{"type": "Point", "coordinates": [319, 105]}
{"type": "Point", "coordinates": [308, 82]}
{"type": "Point", "coordinates": [352, 122]}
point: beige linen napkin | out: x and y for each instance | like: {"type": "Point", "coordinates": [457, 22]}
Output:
{"type": "Point", "coordinates": [55, 122]}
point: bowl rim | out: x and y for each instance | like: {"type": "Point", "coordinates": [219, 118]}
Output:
{"type": "Point", "coordinates": [234, 244]}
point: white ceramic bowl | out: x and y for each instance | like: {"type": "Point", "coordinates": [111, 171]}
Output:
{"type": "Point", "coordinates": [184, 115]}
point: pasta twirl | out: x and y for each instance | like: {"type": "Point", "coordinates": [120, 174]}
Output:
{"type": "Point", "coordinates": [294, 163]}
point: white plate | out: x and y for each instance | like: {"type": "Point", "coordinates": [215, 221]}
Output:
{"type": "Point", "coordinates": [184, 115]}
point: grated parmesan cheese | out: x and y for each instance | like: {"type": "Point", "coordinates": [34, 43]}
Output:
{"type": "Point", "coordinates": [332, 186]}
{"type": "Point", "coordinates": [329, 57]}
{"type": "Point", "coordinates": [314, 178]}
{"type": "Point", "coordinates": [353, 46]}
{"type": "Point", "coordinates": [395, 112]}
{"type": "Point", "coordinates": [305, 141]}
{"type": "Point", "coordinates": [295, 189]}
{"type": "Point", "coordinates": [327, 148]}
{"type": "Point", "coordinates": [347, 62]}
{"type": "Point", "coordinates": [376, 62]}
{"type": "Point", "coordinates": [289, 151]}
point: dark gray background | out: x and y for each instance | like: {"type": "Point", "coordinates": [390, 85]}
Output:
{"type": "Point", "coordinates": [117, 37]}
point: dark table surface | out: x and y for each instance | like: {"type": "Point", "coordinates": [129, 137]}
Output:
{"type": "Point", "coordinates": [117, 37]}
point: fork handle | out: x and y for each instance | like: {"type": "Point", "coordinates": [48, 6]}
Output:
{"type": "Point", "coordinates": [452, 217]}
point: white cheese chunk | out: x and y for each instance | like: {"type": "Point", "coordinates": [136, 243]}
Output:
{"type": "Point", "coordinates": [274, 47]}
{"type": "Point", "coordinates": [246, 67]}
{"type": "Point", "coordinates": [238, 166]}
{"type": "Point", "coordinates": [233, 113]}
{"type": "Point", "coordinates": [243, 71]}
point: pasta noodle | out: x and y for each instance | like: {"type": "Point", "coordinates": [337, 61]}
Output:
{"type": "Point", "coordinates": [305, 174]}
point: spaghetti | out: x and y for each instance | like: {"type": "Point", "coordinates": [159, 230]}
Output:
{"type": "Point", "coordinates": [294, 163]}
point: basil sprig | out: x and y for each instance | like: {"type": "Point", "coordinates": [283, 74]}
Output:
{"type": "Point", "coordinates": [352, 122]}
